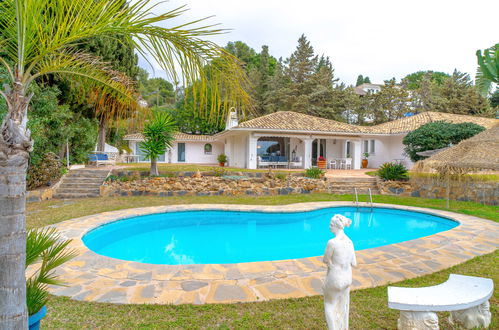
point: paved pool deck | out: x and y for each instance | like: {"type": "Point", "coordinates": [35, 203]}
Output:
{"type": "Point", "coordinates": [92, 277]}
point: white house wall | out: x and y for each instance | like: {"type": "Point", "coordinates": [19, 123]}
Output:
{"type": "Point", "coordinates": [194, 152]}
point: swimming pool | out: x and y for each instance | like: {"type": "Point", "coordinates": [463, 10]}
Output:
{"type": "Point", "coordinates": [222, 237]}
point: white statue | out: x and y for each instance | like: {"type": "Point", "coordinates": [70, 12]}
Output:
{"type": "Point", "coordinates": [339, 258]}
{"type": "Point", "coordinates": [417, 321]}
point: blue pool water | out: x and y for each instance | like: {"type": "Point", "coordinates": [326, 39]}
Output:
{"type": "Point", "coordinates": [208, 237]}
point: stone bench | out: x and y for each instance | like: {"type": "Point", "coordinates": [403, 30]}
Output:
{"type": "Point", "coordinates": [466, 297]}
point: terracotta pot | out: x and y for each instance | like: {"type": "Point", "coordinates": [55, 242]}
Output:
{"type": "Point", "coordinates": [364, 163]}
{"type": "Point", "coordinates": [221, 164]}
{"type": "Point", "coordinates": [321, 164]}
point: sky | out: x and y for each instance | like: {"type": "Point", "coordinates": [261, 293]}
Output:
{"type": "Point", "coordinates": [379, 38]}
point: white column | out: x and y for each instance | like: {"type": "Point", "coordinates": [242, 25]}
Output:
{"type": "Point", "coordinates": [307, 153]}
{"type": "Point", "coordinates": [227, 151]}
{"type": "Point", "coordinates": [251, 160]}
{"type": "Point", "coordinates": [357, 153]}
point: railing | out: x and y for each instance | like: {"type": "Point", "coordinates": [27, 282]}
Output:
{"type": "Point", "coordinates": [356, 197]}
{"type": "Point", "coordinates": [370, 198]}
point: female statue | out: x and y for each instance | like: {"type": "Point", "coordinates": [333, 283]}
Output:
{"type": "Point", "coordinates": [339, 258]}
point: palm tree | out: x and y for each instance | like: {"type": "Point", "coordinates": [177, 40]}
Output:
{"type": "Point", "coordinates": [158, 136]}
{"type": "Point", "coordinates": [39, 38]}
{"type": "Point", "coordinates": [488, 69]}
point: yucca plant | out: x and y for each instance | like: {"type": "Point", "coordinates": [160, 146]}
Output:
{"type": "Point", "coordinates": [40, 38]}
{"type": "Point", "coordinates": [45, 251]}
{"type": "Point", "coordinates": [158, 136]}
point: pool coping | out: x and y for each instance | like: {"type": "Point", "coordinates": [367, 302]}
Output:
{"type": "Point", "coordinates": [93, 277]}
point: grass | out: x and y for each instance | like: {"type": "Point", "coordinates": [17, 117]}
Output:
{"type": "Point", "coordinates": [165, 168]}
{"type": "Point", "coordinates": [368, 309]}
{"type": "Point", "coordinates": [53, 211]}
{"type": "Point", "coordinates": [464, 177]}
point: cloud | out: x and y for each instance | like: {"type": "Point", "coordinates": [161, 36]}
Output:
{"type": "Point", "coordinates": [381, 39]}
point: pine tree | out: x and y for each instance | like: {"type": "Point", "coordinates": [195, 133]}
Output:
{"type": "Point", "coordinates": [303, 62]}
{"type": "Point", "coordinates": [360, 80]}
{"type": "Point", "coordinates": [367, 80]}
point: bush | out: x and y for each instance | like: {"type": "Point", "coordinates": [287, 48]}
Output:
{"type": "Point", "coordinates": [393, 172]}
{"type": "Point", "coordinates": [48, 170]}
{"type": "Point", "coordinates": [314, 173]}
{"type": "Point", "coordinates": [280, 176]}
{"type": "Point", "coordinates": [219, 171]}
{"type": "Point", "coordinates": [436, 135]}
{"type": "Point", "coordinates": [222, 158]}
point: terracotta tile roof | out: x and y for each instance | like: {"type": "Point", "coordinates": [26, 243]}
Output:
{"type": "Point", "coordinates": [178, 137]}
{"type": "Point", "coordinates": [295, 121]}
{"type": "Point", "coordinates": [408, 124]}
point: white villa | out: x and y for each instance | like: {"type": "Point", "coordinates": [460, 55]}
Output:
{"type": "Point", "coordinates": [295, 140]}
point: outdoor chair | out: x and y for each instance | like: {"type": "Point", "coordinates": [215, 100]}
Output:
{"type": "Point", "coordinates": [296, 163]}
{"type": "Point", "coordinates": [101, 159]}
{"type": "Point", "coordinates": [346, 164]}
{"type": "Point", "coordinates": [333, 164]}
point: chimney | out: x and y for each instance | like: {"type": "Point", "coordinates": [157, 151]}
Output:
{"type": "Point", "coordinates": [231, 119]}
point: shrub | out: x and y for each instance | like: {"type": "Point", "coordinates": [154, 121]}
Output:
{"type": "Point", "coordinates": [280, 176]}
{"type": "Point", "coordinates": [314, 173]}
{"type": "Point", "coordinates": [222, 158]}
{"type": "Point", "coordinates": [46, 172]}
{"type": "Point", "coordinates": [393, 172]}
{"type": "Point", "coordinates": [436, 135]}
{"type": "Point", "coordinates": [219, 171]}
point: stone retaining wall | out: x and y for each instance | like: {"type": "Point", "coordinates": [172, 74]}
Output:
{"type": "Point", "coordinates": [42, 194]}
{"type": "Point", "coordinates": [215, 186]}
{"type": "Point", "coordinates": [485, 192]}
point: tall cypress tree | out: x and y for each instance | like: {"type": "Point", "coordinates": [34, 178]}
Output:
{"type": "Point", "coordinates": [360, 80]}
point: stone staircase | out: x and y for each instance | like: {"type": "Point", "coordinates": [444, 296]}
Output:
{"type": "Point", "coordinates": [81, 183]}
{"type": "Point", "coordinates": [343, 186]}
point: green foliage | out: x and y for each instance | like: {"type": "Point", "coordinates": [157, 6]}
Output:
{"type": "Point", "coordinates": [219, 171]}
{"type": "Point", "coordinates": [360, 80]}
{"type": "Point", "coordinates": [157, 92]}
{"type": "Point", "coordinates": [393, 172]}
{"type": "Point", "coordinates": [48, 250]}
{"type": "Point", "coordinates": [280, 176]}
{"type": "Point", "coordinates": [488, 69]}
{"type": "Point", "coordinates": [158, 135]}
{"type": "Point", "coordinates": [121, 178]}
{"type": "Point", "coordinates": [46, 172]}
{"type": "Point", "coordinates": [314, 173]}
{"type": "Point", "coordinates": [436, 135]}
{"type": "Point", "coordinates": [222, 158]}
{"type": "Point", "coordinates": [413, 81]}
{"type": "Point", "coordinates": [494, 99]}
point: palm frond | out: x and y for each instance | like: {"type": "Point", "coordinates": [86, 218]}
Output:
{"type": "Point", "coordinates": [488, 69]}
{"type": "Point", "coordinates": [43, 30]}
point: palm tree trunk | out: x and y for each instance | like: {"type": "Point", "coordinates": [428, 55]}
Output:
{"type": "Point", "coordinates": [154, 167]}
{"type": "Point", "coordinates": [15, 145]}
{"type": "Point", "coordinates": [101, 144]}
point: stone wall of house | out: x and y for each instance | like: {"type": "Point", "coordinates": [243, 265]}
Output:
{"type": "Point", "coordinates": [214, 186]}
{"type": "Point", "coordinates": [485, 192]}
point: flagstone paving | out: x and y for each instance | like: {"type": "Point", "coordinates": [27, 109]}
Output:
{"type": "Point", "coordinates": [92, 277]}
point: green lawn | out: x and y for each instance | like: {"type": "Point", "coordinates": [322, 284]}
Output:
{"type": "Point", "coordinates": [165, 168]}
{"type": "Point", "coordinates": [368, 308]}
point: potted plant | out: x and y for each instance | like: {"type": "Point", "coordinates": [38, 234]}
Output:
{"type": "Point", "coordinates": [222, 159]}
{"type": "Point", "coordinates": [321, 162]}
{"type": "Point", "coordinates": [45, 250]}
{"type": "Point", "coordinates": [364, 160]}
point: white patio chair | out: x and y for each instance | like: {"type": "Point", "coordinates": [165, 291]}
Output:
{"type": "Point", "coordinates": [348, 164]}
{"type": "Point", "coordinates": [333, 164]}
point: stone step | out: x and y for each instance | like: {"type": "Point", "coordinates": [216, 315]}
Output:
{"type": "Point", "coordinates": [84, 184]}
{"type": "Point", "coordinates": [74, 195]}
{"type": "Point", "coordinates": [85, 175]}
{"type": "Point", "coordinates": [90, 190]}
{"type": "Point", "coordinates": [83, 180]}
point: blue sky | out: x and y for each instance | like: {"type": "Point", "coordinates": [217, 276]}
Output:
{"type": "Point", "coordinates": [378, 38]}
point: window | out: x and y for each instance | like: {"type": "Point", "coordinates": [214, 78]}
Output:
{"type": "Point", "coordinates": [373, 149]}
{"type": "Point", "coordinates": [181, 152]}
{"type": "Point", "coordinates": [348, 154]}
{"type": "Point", "coordinates": [366, 145]}
{"type": "Point", "coordinates": [208, 149]}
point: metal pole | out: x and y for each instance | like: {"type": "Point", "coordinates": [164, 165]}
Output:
{"type": "Point", "coordinates": [67, 153]}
